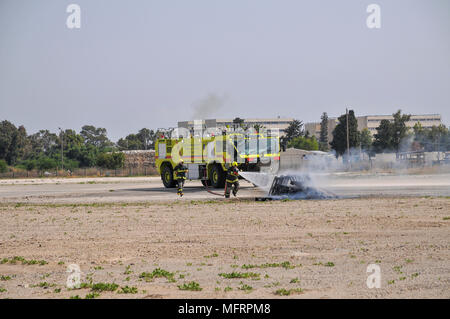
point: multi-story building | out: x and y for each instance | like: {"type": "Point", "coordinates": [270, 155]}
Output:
{"type": "Point", "coordinates": [314, 128]}
{"type": "Point", "coordinates": [371, 122]}
{"type": "Point", "coordinates": [276, 123]}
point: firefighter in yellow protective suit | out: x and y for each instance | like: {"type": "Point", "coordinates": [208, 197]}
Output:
{"type": "Point", "coordinates": [180, 176]}
{"type": "Point", "coordinates": [232, 181]}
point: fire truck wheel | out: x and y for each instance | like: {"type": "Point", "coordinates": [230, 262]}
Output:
{"type": "Point", "coordinates": [217, 177]}
{"type": "Point", "coordinates": [167, 176]}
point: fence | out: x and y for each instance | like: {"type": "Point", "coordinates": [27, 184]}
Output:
{"type": "Point", "coordinates": [82, 172]}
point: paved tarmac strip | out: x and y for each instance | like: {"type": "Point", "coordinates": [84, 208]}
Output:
{"type": "Point", "coordinates": [138, 189]}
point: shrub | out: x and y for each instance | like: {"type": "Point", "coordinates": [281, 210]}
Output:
{"type": "Point", "coordinates": [111, 160]}
{"type": "Point", "coordinates": [3, 166]}
{"type": "Point", "coordinates": [45, 163]}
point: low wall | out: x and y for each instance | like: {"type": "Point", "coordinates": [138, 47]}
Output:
{"type": "Point", "coordinates": [139, 159]}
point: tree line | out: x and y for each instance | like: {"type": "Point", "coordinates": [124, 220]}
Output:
{"type": "Point", "coordinates": [91, 147]}
{"type": "Point", "coordinates": [67, 149]}
{"type": "Point", "coordinates": [391, 136]}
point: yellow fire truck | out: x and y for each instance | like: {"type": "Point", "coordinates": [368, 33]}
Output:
{"type": "Point", "coordinates": [208, 158]}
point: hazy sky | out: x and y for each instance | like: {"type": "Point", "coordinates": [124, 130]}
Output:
{"type": "Point", "coordinates": [151, 63]}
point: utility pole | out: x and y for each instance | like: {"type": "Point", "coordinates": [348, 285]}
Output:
{"type": "Point", "coordinates": [439, 147]}
{"type": "Point", "coordinates": [348, 139]}
{"type": "Point", "coordinates": [62, 148]}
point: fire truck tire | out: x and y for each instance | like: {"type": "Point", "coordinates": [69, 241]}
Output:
{"type": "Point", "coordinates": [167, 176]}
{"type": "Point", "coordinates": [217, 178]}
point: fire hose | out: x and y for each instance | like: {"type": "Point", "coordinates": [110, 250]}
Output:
{"type": "Point", "coordinates": [210, 191]}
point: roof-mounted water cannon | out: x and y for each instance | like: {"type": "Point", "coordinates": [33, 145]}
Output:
{"type": "Point", "coordinates": [165, 133]}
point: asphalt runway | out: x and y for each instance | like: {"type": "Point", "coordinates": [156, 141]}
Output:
{"type": "Point", "coordinates": [140, 189]}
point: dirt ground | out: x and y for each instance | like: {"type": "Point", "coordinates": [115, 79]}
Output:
{"type": "Point", "coordinates": [303, 249]}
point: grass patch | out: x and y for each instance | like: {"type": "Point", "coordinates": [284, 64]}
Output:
{"type": "Point", "coordinates": [287, 292]}
{"type": "Point", "coordinates": [18, 259]}
{"type": "Point", "coordinates": [127, 270]}
{"type": "Point", "coordinates": [92, 295]}
{"type": "Point", "coordinates": [128, 290]}
{"type": "Point", "coordinates": [101, 286]}
{"type": "Point", "coordinates": [43, 284]}
{"type": "Point", "coordinates": [158, 273]}
{"type": "Point", "coordinates": [246, 288]}
{"type": "Point", "coordinates": [85, 285]}
{"type": "Point", "coordinates": [5, 278]}
{"type": "Point", "coordinates": [328, 264]}
{"type": "Point", "coordinates": [284, 264]}
{"type": "Point", "coordinates": [398, 269]}
{"type": "Point", "coordinates": [192, 286]}
{"type": "Point", "coordinates": [3, 289]}
{"type": "Point", "coordinates": [235, 274]}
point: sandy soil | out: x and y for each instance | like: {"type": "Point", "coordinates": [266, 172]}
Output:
{"type": "Point", "coordinates": [328, 245]}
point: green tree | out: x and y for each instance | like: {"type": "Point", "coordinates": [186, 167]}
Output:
{"type": "Point", "coordinates": [95, 136]}
{"type": "Point", "coordinates": [383, 137]}
{"type": "Point", "coordinates": [130, 142]}
{"type": "Point", "coordinates": [339, 143]}
{"type": "Point", "coordinates": [8, 132]}
{"type": "Point", "coordinates": [293, 130]}
{"type": "Point", "coordinates": [21, 146]}
{"type": "Point", "coordinates": [73, 148]}
{"type": "Point", "coordinates": [147, 138]}
{"type": "Point", "coordinates": [28, 164]}
{"type": "Point", "coordinates": [390, 134]}
{"type": "Point", "coordinates": [3, 166]}
{"type": "Point", "coordinates": [365, 139]}
{"type": "Point", "coordinates": [46, 163]}
{"type": "Point", "coordinates": [399, 128]}
{"type": "Point", "coordinates": [43, 143]}
{"type": "Point", "coordinates": [14, 144]}
{"type": "Point", "coordinates": [111, 160]}
{"type": "Point", "coordinates": [439, 138]}
{"type": "Point", "coordinates": [323, 139]}
{"type": "Point", "coordinates": [431, 139]}
{"type": "Point", "coordinates": [258, 127]}
{"type": "Point", "coordinates": [304, 143]}
{"type": "Point", "coordinates": [239, 123]}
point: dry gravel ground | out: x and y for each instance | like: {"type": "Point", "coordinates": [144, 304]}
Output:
{"type": "Point", "coordinates": [328, 245]}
